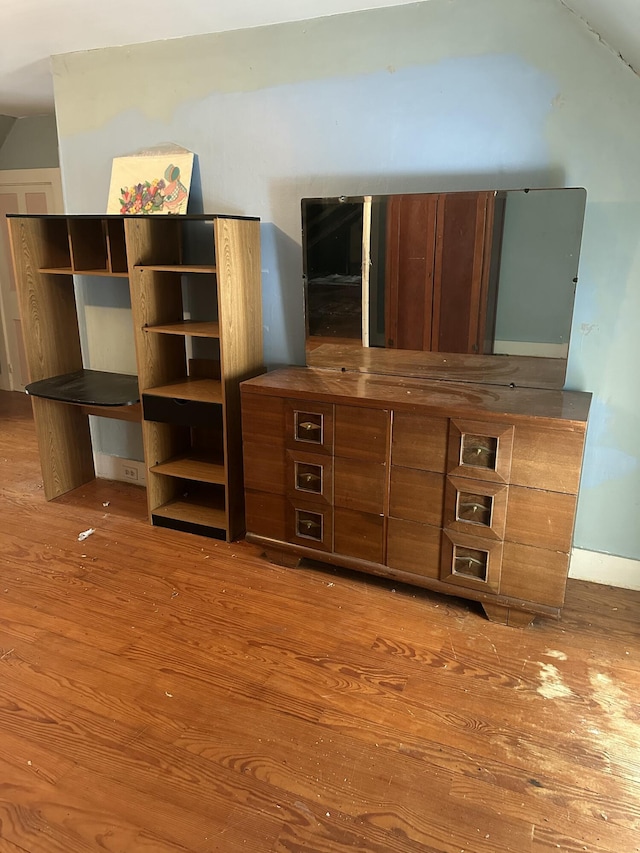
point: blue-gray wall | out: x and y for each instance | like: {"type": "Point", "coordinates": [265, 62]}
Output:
{"type": "Point", "coordinates": [30, 143]}
{"type": "Point", "coordinates": [442, 95]}
{"type": "Point", "coordinates": [6, 123]}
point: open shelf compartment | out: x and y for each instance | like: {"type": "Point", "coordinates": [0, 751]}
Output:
{"type": "Point", "coordinates": [194, 389]}
{"type": "Point", "coordinates": [194, 507]}
{"type": "Point", "coordinates": [198, 467]}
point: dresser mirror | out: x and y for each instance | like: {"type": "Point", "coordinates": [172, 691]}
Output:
{"type": "Point", "coordinates": [471, 286]}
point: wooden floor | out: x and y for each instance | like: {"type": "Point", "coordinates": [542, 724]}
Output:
{"type": "Point", "coordinates": [163, 692]}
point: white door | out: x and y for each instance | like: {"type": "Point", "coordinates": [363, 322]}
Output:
{"type": "Point", "coordinates": [21, 191]}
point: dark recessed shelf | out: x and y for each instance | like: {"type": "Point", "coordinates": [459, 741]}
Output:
{"type": "Point", "coordinates": [202, 509]}
{"type": "Point", "coordinates": [88, 387]}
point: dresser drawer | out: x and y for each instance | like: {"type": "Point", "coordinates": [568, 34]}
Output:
{"type": "Point", "coordinates": [265, 514]}
{"type": "Point", "coordinates": [534, 574]}
{"type": "Point", "coordinates": [414, 548]}
{"type": "Point", "coordinates": [264, 467]}
{"type": "Point", "coordinates": [309, 426]}
{"type": "Point", "coordinates": [476, 508]}
{"type": "Point", "coordinates": [471, 562]}
{"type": "Point", "coordinates": [362, 433]}
{"type": "Point", "coordinates": [480, 451]}
{"type": "Point", "coordinates": [543, 519]}
{"type": "Point", "coordinates": [419, 442]}
{"type": "Point", "coordinates": [310, 525]}
{"type": "Point", "coordinates": [548, 459]}
{"type": "Point", "coordinates": [416, 495]}
{"type": "Point", "coordinates": [263, 419]}
{"type": "Point", "coordinates": [360, 485]}
{"type": "Point", "coordinates": [358, 534]}
{"type": "Point", "coordinates": [309, 476]}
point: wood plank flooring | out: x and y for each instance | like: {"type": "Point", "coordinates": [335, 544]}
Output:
{"type": "Point", "coordinates": [162, 692]}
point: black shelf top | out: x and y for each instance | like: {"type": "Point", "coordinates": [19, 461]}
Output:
{"type": "Point", "coordinates": [88, 388]}
{"type": "Point", "coordinates": [179, 217]}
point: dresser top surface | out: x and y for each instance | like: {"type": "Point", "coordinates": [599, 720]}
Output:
{"type": "Point", "coordinates": [438, 397]}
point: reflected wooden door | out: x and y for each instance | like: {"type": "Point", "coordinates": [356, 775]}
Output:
{"type": "Point", "coordinates": [465, 274]}
{"type": "Point", "coordinates": [442, 257]}
{"type": "Point", "coordinates": [410, 261]}
{"type": "Point", "coordinates": [34, 191]}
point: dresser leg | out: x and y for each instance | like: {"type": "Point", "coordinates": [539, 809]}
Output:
{"type": "Point", "coordinates": [508, 615]}
{"type": "Point", "coordinates": [282, 558]}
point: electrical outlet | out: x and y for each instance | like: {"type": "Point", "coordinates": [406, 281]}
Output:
{"type": "Point", "coordinates": [129, 472]}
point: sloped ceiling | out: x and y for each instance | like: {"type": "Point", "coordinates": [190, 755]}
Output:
{"type": "Point", "coordinates": [615, 22]}
{"type": "Point", "coordinates": [34, 30]}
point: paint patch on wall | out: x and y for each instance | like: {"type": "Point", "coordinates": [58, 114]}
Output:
{"type": "Point", "coordinates": [160, 76]}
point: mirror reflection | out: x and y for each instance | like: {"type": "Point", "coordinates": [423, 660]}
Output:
{"type": "Point", "coordinates": [490, 273]}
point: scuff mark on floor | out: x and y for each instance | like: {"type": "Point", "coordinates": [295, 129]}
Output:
{"type": "Point", "coordinates": [554, 653]}
{"type": "Point", "coordinates": [621, 713]}
{"type": "Point", "coordinates": [552, 686]}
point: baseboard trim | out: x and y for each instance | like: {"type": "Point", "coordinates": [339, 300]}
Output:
{"type": "Point", "coordinates": [604, 568]}
{"type": "Point", "coordinates": [530, 348]}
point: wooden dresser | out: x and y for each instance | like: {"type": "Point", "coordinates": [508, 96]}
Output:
{"type": "Point", "coordinates": [460, 488]}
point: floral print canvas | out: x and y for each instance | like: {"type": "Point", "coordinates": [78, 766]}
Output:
{"type": "Point", "coordinates": [150, 184]}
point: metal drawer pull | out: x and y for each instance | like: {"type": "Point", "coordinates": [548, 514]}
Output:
{"type": "Point", "coordinates": [474, 509]}
{"type": "Point", "coordinates": [473, 506]}
{"type": "Point", "coordinates": [479, 451]}
{"type": "Point", "coordinates": [309, 525]}
{"type": "Point", "coordinates": [308, 477]}
{"type": "Point", "coordinates": [470, 561]}
{"type": "Point", "coordinates": [308, 427]}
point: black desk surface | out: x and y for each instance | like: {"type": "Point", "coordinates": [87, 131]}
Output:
{"type": "Point", "coordinates": [89, 388]}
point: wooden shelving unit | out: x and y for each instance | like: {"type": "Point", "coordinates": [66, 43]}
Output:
{"type": "Point", "coordinates": [197, 324]}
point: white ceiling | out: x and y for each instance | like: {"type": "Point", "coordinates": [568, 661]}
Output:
{"type": "Point", "coordinates": [34, 30]}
